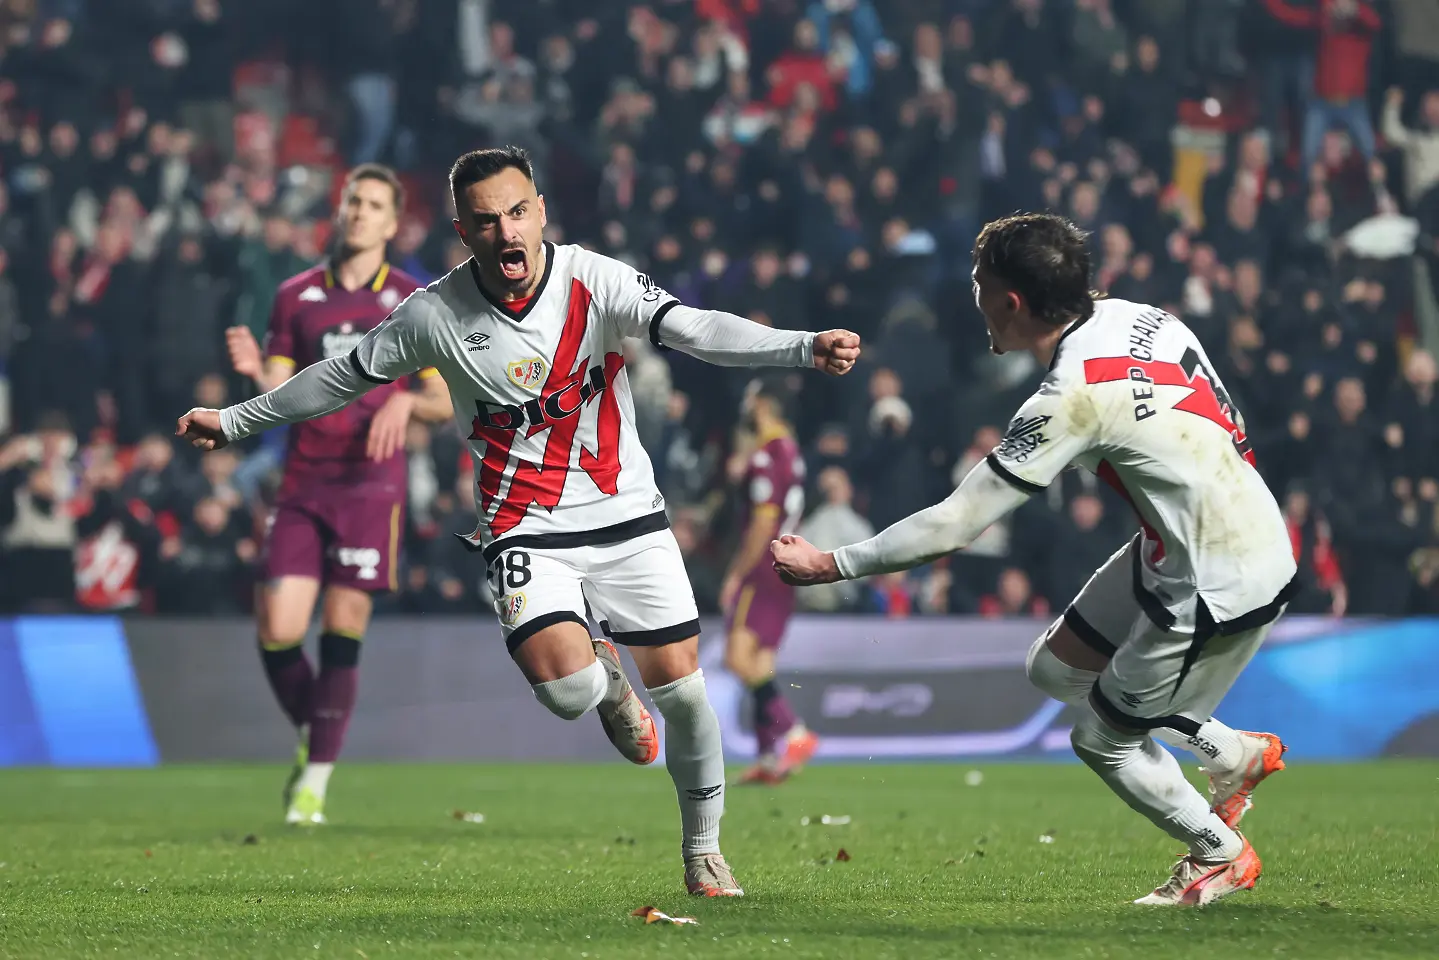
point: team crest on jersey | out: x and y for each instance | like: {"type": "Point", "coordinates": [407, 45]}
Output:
{"type": "Point", "coordinates": [528, 373]}
{"type": "Point", "coordinates": [389, 298]}
{"type": "Point", "coordinates": [1024, 436]}
{"type": "Point", "coordinates": [312, 295]}
{"type": "Point", "coordinates": [510, 608]}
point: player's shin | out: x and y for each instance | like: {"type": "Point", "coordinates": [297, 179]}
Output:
{"type": "Point", "coordinates": [773, 716]}
{"type": "Point", "coordinates": [291, 677]}
{"type": "Point", "coordinates": [695, 760]}
{"type": "Point", "coordinates": [1148, 778]}
{"type": "Point", "coordinates": [576, 694]}
{"type": "Point", "coordinates": [334, 699]}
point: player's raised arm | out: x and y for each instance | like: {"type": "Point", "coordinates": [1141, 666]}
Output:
{"type": "Point", "coordinates": [641, 308]}
{"type": "Point", "coordinates": [1041, 441]}
{"type": "Point", "coordinates": [391, 350]}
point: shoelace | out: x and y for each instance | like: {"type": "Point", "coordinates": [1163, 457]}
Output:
{"type": "Point", "coordinates": [719, 871]}
{"type": "Point", "coordinates": [1186, 871]}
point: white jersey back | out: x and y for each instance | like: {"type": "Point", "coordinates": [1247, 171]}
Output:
{"type": "Point", "coordinates": [542, 395]}
{"type": "Point", "coordinates": [1131, 396]}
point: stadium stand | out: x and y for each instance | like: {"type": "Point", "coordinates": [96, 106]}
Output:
{"type": "Point", "coordinates": [1269, 174]}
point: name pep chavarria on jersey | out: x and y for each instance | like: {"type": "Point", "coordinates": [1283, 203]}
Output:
{"type": "Point", "coordinates": [1132, 397]}
{"type": "Point", "coordinates": [540, 391]}
{"type": "Point", "coordinates": [314, 319]}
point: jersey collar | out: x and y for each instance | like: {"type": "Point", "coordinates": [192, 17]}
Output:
{"type": "Point", "coordinates": [1065, 336]}
{"type": "Point", "coordinates": [375, 283]}
{"type": "Point", "coordinates": [534, 297]}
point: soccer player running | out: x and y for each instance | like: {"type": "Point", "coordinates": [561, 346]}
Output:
{"type": "Point", "coordinates": [1157, 637]}
{"type": "Point", "coordinates": [339, 515]}
{"type": "Point", "coordinates": [756, 602]}
{"type": "Point", "coordinates": [528, 336]}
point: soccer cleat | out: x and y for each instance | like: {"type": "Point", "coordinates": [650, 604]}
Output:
{"type": "Point", "coordinates": [707, 875]}
{"type": "Point", "coordinates": [1196, 883]}
{"type": "Point", "coordinates": [302, 756]}
{"type": "Point", "coordinates": [625, 720]}
{"type": "Point", "coordinates": [1230, 790]}
{"type": "Point", "coordinates": [762, 774]}
{"type": "Point", "coordinates": [307, 809]}
{"type": "Point", "coordinates": [798, 750]}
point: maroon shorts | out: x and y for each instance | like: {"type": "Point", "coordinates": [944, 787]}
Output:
{"type": "Point", "coordinates": [341, 540]}
{"type": "Point", "coordinates": [763, 607]}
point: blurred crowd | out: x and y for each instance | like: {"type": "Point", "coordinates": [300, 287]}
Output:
{"type": "Point", "coordinates": [1268, 170]}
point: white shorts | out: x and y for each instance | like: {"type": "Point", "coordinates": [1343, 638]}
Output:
{"type": "Point", "coordinates": [637, 589]}
{"type": "Point", "coordinates": [1158, 677]}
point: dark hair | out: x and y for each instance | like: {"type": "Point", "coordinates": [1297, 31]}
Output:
{"type": "Point", "coordinates": [479, 165]}
{"type": "Point", "coordinates": [1042, 257]}
{"type": "Point", "coordinates": [382, 173]}
{"type": "Point", "coordinates": [774, 390]}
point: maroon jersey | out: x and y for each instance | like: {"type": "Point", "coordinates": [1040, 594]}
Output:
{"type": "Point", "coordinates": [774, 481]}
{"type": "Point", "coordinates": [314, 319]}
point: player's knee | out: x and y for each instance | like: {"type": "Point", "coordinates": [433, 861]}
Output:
{"type": "Point", "coordinates": [347, 611]}
{"type": "Point", "coordinates": [1101, 746]}
{"type": "Point", "coordinates": [572, 696]}
{"type": "Point", "coordinates": [1055, 677]}
{"type": "Point", "coordinates": [339, 650]}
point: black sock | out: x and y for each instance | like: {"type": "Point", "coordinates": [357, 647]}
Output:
{"type": "Point", "coordinates": [763, 693]}
{"type": "Point", "coordinates": [291, 678]}
{"type": "Point", "coordinates": [338, 650]}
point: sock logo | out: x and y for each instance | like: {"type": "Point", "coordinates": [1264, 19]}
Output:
{"type": "Point", "coordinates": [1205, 746]}
{"type": "Point", "coordinates": [705, 793]}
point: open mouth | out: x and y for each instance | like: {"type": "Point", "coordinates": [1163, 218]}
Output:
{"type": "Point", "coordinates": [514, 264]}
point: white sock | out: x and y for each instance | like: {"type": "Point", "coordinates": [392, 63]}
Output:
{"type": "Point", "coordinates": [695, 760]}
{"type": "Point", "coordinates": [1216, 746]}
{"type": "Point", "coordinates": [316, 777]}
{"type": "Point", "coordinates": [1148, 778]}
{"type": "Point", "coordinates": [572, 696]}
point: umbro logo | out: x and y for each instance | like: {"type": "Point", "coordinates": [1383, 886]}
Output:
{"type": "Point", "coordinates": [477, 341]}
{"type": "Point", "coordinates": [312, 295]}
{"type": "Point", "coordinates": [705, 793]}
{"type": "Point", "coordinates": [1130, 699]}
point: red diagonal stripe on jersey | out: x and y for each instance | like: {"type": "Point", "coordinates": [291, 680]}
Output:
{"type": "Point", "coordinates": [1106, 472]}
{"type": "Point", "coordinates": [544, 483]}
{"type": "Point", "coordinates": [603, 465]}
{"type": "Point", "coordinates": [1202, 402]}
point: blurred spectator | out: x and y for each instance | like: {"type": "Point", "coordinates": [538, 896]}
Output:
{"type": "Point", "coordinates": [1345, 32]}
{"type": "Point", "coordinates": [1014, 597]}
{"type": "Point", "coordinates": [834, 524]}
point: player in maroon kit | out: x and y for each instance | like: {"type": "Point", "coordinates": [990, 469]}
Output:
{"type": "Point", "coordinates": [340, 511]}
{"type": "Point", "coordinates": [757, 604]}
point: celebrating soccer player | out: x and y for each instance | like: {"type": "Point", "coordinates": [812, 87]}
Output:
{"type": "Point", "coordinates": [528, 337]}
{"type": "Point", "coordinates": [1157, 637]}
{"type": "Point", "coordinates": [756, 602]}
{"type": "Point", "coordinates": [340, 511]}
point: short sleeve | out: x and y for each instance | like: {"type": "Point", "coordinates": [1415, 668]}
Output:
{"type": "Point", "coordinates": [1054, 426]}
{"type": "Point", "coordinates": [400, 346]}
{"type": "Point", "coordinates": [632, 302]}
{"type": "Point", "coordinates": [280, 337]}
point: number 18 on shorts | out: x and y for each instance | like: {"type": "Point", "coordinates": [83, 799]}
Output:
{"type": "Point", "coordinates": [637, 589]}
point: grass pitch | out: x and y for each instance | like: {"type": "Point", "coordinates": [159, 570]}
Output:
{"type": "Point", "coordinates": [190, 862]}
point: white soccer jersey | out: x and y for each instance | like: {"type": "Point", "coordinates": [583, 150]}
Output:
{"type": "Point", "coordinates": [1131, 396]}
{"type": "Point", "coordinates": [541, 393]}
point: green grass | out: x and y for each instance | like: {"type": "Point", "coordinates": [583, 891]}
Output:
{"type": "Point", "coordinates": [156, 864]}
